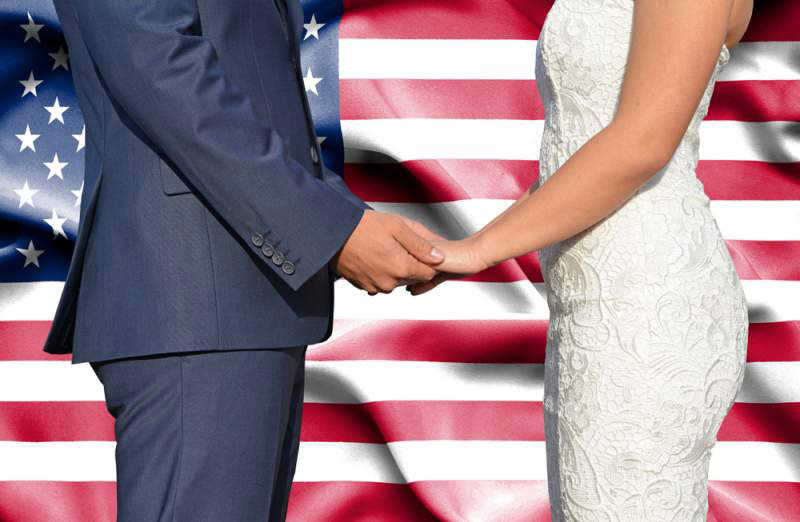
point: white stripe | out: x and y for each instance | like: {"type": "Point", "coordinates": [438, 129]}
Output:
{"type": "Point", "coordinates": [408, 139]}
{"type": "Point", "coordinates": [48, 381]}
{"type": "Point", "coordinates": [772, 141]}
{"type": "Point", "coordinates": [763, 61]}
{"type": "Point", "coordinates": [777, 220]}
{"type": "Point", "coordinates": [412, 461]}
{"type": "Point", "coordinates": [772, 301]}
{"type": "Point", "coordinates": [742, 220]}
{"type": "Point", "coordinates": [363, 381]}
{"type": "Point", "coordinates": [453, 59]}
{"type": "Point", "coordinates": [417, 139]}
{"type": "Point", "coordinates": [35, 301]}
{"type": "Point", "coordinates": [395, 462]}
{"type": "Point", "coordinates": [437, 59]}
{"type": "Point", "coordinates": [58, 461]}
{"type": "Point", "coordinates": [768, 301]}
{"type": "Point", "coordinates": [452, 301]}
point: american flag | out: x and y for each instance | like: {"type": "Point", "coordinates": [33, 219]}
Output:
{"type": "Point", "coordinates": [424, 408]}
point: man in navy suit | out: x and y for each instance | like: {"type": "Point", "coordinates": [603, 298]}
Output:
{"type": "Point", "coordinates": [209, 237]}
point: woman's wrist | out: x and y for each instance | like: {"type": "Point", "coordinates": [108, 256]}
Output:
{"type": "Point", "coordinates": [481, 243]}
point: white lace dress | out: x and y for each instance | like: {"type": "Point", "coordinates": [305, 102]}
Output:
{"type": "Point", "coordinates": [647, 338]}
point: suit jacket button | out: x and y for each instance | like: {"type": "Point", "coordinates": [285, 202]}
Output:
{"type": "Point", "coordinates": [278, 258]}
{"type": "Point", "coordinates": [288, 268]}
{"type": "Point", "coordinates": [314, 154]}
{"type": "Point", "coordinates": [267, 250]}
{"type": "Point", "coordinates": [257, 240]}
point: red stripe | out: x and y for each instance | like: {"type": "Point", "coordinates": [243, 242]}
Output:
{"type": "Point", "coordinates": [755, 101]}
{"type": "Point", "coordinates": [385, 421]}
{"type": "Point", "coordinates": [417, 502]}
{"type": "Point", "coordinates": [478, 500]}
{"type": "Point", "coordinates": [473, 341]}
{"type": "Point", "coordinates": [762, 422]}
{"type": "Point", "coordinates": [55, 421]}
{"type": "Point", "coordinates": [509, 501]}
{"type": "Point", "coordinates": [431, 181]}
{"type": "Point", "coordinates": [357, 501]}
{"type": "Point", "coordinates": [490, 341]}
{"type": "Point", "coordinates": [519, 100]}
{"type": "Point", "coordinates": [518, 19]}
{"type": "Point", "coordinates": [392, 421]}
{"type": "Point", "coordinates": [511, 19]}
{"type": "Point", "coordinates": [460, 99]}
{"type": "Point", "coordinates": [774, 21]}
{"type": "Point", "coordinates": [497, 19]}
{"type": "Point", "coordinates": [731, 501]}
{"type": "Point", "coordinates": [23, 340]}
{"type": "Point", "coordinates": [765, 259]}
{"type": "Point", "coordinates": [45, 501]}
{"type": "Point", "coordinates": [725, 179]}
{"type": "Point", "coordinates": [773, 342]}
{"type": "Point", "coordinates": [454, 19]}
{"type": "Point", "coordinates": [510, 342]}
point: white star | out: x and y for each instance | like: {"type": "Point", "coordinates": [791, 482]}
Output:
{"type": "Point", "coordinates": [80, 138]}
{"type": "Point", "coordinates": [312, 29]}
{"type": "Point", "coordinates": [27, 140]}
{"type": "Point", "coordinates": [310, 82]}
{"type": "Point", "coordinates": [55, 167]}
{"type": "Point", "coordinates": [321, 139]}
{"type": "Point", "coordinates": [26, 195]}
{"type": "Point", "coordinates": [56, 112]}
{"type": "Point", "coordinates": [31, 254]}
{"type": "Point", "coordinates": [78, 193]}
{"type": "Point", "coordinates": [30, 85]}
{"type": "Point", "coordinates": [60, 58]}
{"type": "Point", "coordinates": [57, 224]}
{"type": "Point", "coordinates": [31, 29]}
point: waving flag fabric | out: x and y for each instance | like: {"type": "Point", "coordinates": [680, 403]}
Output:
{"type": "Point", "coordinates": [427, 408]}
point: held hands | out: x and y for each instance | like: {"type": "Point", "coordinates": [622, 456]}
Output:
{"type": "Point", "coordinates": [461, 258]}
{"type": "Point", "coordinates": [385, 251]}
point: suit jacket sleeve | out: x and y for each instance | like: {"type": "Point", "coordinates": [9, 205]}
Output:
{"type": "Point", "coordinates": [336, 181]}
{"type": "Point", "coordinates": [167, 77]}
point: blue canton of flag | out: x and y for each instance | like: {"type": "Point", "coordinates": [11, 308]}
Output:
{"type": "Point", "coordinates": [41, 146]}
{"type": "Point", "coordinates": [42, 133]}
{"type": "Point", "coordinates": [320, 67]}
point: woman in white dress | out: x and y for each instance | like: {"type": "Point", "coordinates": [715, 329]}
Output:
{"type": "Point", "coordinates": [647, 338]}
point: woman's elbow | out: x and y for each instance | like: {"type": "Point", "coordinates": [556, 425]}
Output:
{"type": "Point", "coordinates": [654, 157]}
{"type": "Point", "coordinates": [648, 152]}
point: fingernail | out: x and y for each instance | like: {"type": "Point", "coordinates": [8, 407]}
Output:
{"type": "Point", "coordinates": [435, 252]}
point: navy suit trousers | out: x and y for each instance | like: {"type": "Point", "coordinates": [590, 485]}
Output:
{"type": "Point", "coordinates": [205, 436]}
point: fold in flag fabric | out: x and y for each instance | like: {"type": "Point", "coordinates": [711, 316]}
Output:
{"type": "Point", "coordinates": [429, 409]}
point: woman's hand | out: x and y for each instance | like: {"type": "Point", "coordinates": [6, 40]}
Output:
{"type": "Point", "coordinates": [461, 258]}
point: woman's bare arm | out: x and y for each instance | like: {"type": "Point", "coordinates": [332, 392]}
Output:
{"type": "Point", "coordinates": [675, 45]}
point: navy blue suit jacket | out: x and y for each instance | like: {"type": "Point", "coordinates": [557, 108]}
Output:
{"type": "Point", "coordinates": [208, 220]}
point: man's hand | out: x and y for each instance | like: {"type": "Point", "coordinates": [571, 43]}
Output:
{"type": "Point", "coordinates": [386, 251]}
